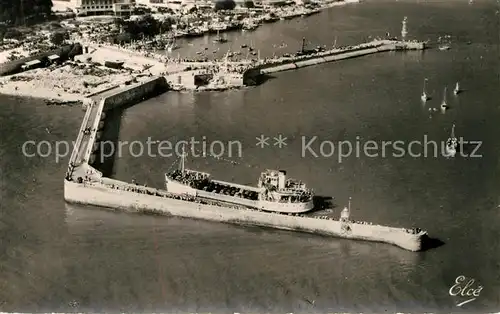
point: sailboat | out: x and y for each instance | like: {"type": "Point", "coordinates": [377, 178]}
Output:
{"type": "Point", "coordinates": [444, 44]}
{"type": "Point", "coordinates": [457, 90]}
{"type": "Point", "coordinates": [444, 105]}
{"type": "Point", "coordinates": [451, 144]}
{"type": "Point", "coordinates": [424, 96]}
{"type": "Point", "coordinates": [219, 38]}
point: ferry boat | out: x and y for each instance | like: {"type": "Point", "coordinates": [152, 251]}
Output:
{"type": "Point", "coordinates": [273, 193]}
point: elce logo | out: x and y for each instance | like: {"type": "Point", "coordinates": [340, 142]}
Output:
{"type": "Point", "coordinates": [465, 290]}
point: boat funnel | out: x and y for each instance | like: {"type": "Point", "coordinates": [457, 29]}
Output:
{"type": "Point", "coordinates": [344, 215]}
{"type": "Point", "coordinates": [281, 179]}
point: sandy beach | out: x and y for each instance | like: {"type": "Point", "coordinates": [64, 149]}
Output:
{"type": "Point", "coordinates": [18, 52]}
{"type": "Point", "coordinates": [73, 81]}
{"type": "Point", "coordinates": [70, 82]}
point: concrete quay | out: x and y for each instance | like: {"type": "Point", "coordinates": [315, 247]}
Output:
{"type": "Point", "coordinates": [226, 74]}
{"type": "Point", "coordinates": [86, 144]}
{"type": "Point", "coordinates": [296, 62]}
{"type": "Point", "coordinates": [123, 196]}
{"type": "Point", "coordinates": [86, 185]}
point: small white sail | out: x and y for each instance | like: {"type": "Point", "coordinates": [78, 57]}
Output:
{"type": "Point", "coordinates": [424, 96]}
{"type": "Point", "coordinates": [457, 90]}
{"type": "Point", "coordinates": [444, 105]}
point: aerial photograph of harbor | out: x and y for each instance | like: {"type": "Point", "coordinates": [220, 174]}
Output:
{"type": "Point", "coordinates": [250, 156]}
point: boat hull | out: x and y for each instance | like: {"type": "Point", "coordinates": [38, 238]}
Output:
{"type": "Point", "coordinates": [121, 196]}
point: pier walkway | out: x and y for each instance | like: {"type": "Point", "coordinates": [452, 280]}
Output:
{"type": "Point", "coordinates": [299, 61]}
{"type": "Point", "coordinates": [86, 135]}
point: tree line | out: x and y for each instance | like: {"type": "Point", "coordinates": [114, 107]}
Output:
{"type": "Point", "coordinates": [145, 27]}
{"type": "Point", "coordinates": [20, 12]}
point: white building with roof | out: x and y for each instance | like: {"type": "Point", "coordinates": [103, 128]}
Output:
{"type": "Point", "coordinates": [31, 64]}
{"type": "Point", "coordinates": [103, 7]}
{"type": "Point", "coordinates": [273, 2]}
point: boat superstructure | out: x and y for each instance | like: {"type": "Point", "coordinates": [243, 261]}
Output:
{"type": "Point", "coordinates": [274, 192]}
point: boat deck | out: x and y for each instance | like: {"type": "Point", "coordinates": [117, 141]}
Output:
{"type": "Point", "coordinates": [225, 188]}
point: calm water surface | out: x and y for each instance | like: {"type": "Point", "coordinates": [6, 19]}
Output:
{"type": "Point", "coordinates": [56, 257]}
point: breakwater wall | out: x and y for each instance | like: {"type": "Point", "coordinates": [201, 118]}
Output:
{"type": "Point", "coordinates": [119, 195]}
{"type": "Point", "coordinates": [135, 93]}
{"type": "Point", "coordinates": [86, 144]}
{"type": "Point", "coordinates": [292, 63]}
{"type": "Point", "coordinates": [86, 185]}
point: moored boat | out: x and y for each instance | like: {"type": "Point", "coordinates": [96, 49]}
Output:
{"type": "Point", "coordinates": [274, 192]}
{"type": "Point", "coordinates": [424, 97]}
{"type": "Point", "coordinates": [457, 89]}
{"type": "Point", "coordinates": [219, 39]}
{"type": "Point", "coordinates": [114, 64]}
{"type": "Point", "coordinates": [444, 104]}
{"type": "Point", "coordinates": [451, 144]}
{"type": "Point", "coordinates": [444, 44]}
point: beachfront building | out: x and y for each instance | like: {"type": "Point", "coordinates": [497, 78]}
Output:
{"type": "Point", "coordinates": [103, 7]}
{"type": "Point", "coordinates": [244, 3]}
{"type": "Point", "coordinates": [185, 5]}
{"type": "Point", "coordinates": [165, 4]}
{"type": "Point", "coordinates": [273, 3]}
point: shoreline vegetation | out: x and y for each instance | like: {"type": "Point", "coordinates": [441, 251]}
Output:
{"type": "Point", "coordinates": [111, 57]}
